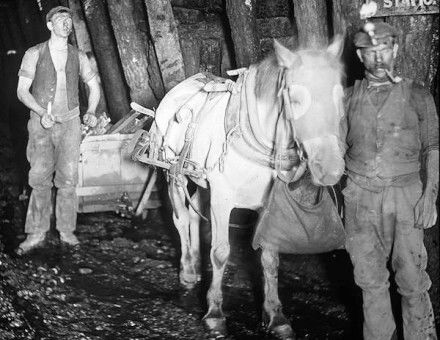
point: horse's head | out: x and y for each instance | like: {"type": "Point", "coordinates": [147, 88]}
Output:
{"type": "Point", "coordinates": [313, 95]}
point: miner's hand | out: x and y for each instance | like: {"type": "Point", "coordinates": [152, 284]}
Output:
{"type": "Point", "coordinates": [90, 119]}
{"type": "Point", "coordinates": [47, 119]}
{"type": "Point", "coordinates": [426, 211]}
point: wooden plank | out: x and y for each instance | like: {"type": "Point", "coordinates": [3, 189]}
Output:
{"type": "Point", "coordinates": [163, 29]}
{"type": "Point", "coordinates": [110, 201]}
{"type": "Point", "coordinates": [243, 22]}
{"type": "Point", "coordinates": [108, 189]}
{"type": "Point", "coordinates": [111, 205]}
{"type": "Point", "coordinates": [124, 122]}
{"type": "Point", "coordinates": [145, 198]}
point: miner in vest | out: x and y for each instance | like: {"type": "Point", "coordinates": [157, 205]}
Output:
{"type": "Point", "coordinates": [392, 163]}
{"type": "Point", "coordinates": [48, 86]}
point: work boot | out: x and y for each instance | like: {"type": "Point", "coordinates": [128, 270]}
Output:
{"type": "Point", "coordinates": [69, 238]}
{"type": "Point", "coordinates": [32, 241]}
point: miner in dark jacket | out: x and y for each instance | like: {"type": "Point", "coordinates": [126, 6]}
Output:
{"type": "Point", "coordinates": [391, 131]}
{"type": "Point", "coordinates": [48, 86]}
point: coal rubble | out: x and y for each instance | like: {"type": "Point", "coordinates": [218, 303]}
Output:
{"type": "Point", "coordinates": [123, 283]}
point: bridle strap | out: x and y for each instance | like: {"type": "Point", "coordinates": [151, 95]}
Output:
{"type": "Point", "coordinates": [286, 114]}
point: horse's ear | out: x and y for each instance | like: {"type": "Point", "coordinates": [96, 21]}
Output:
{"type": "Point", "coordinates": [285, 57]}
{"type": "Point", "coordinates": [337, 46]}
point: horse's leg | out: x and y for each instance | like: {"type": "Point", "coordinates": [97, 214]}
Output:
{"type": "Point", "coordinates": [273, 316]}
{"type": "Point", "coordinates": [194, 235]}
{"type": "Point", "coordinates": [220, 207]}
{"type": "Point", "coordinates": [181, 218]}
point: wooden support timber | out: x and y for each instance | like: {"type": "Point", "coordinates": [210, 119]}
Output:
{"type": "Point", "coordinates": [82, 39]}
{"type": "Point", "coordinates": [311, 21]}
{"type": "Point", "coordinates": [107, 57]}
{"type": "Point", "coordinates": [243, 23]}
{"type": "Point", "coordinates": [132, 50]}
{"type": "Point", "coordinates": [163, 29]}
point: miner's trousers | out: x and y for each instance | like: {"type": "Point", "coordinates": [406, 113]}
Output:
{"type": "Point", "coordinates": [380, 227]}
{"type": "Point", "coordinates": [53, 155]}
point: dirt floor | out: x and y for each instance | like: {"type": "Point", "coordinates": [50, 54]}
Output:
{"type": "Point", "coordinates": [122, 283]}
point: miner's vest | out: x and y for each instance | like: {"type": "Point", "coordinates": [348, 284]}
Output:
{"type": "Point", "coordinates": [383, 142]}
{"type": "Point", "coordinates": [45, 80]}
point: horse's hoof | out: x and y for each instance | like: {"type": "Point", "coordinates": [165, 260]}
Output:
{"type": "Point", "coordinates": [216, 327]}
{"type": "Point", "coordinates": [187, 285]}
{"type": "Point", "coordinates": [282, 332]}
{"type": "Point", "coordinates": [189, 281]}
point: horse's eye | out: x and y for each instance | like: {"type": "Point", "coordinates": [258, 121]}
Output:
{"type": "Point", "coordinates": [300, 100]}
{"type": "Point", "coordinates": [338, 94]}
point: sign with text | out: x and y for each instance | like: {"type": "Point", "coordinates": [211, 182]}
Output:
{"type": "Point", "coordinates": [406, 7]}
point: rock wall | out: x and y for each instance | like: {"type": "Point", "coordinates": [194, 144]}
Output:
{"type": "Point", "coordinates": [205, 34]}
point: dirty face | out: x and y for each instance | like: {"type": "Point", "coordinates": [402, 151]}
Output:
{"type": "Point", "coordinates": [315, 94]}
{"type": "Point", "coordinates": [377, 59]}
{"type": "Point", "coordinates": [60, 24]}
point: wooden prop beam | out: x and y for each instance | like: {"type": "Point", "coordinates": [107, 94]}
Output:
{"type": "Point", "coordinates": [132, 50]}
{"type": "Point", "coordinates": [82, 40]}
{"type": "Point", "coordinates": [243, 23]}
{"type": "Point", "coordinates": [154, 74]}
{"type": "Point", "coordinates": [163, 29]}
{"type": "Point", "coordinates": [143, 202]}
{"type": "Point", "coordinates": [98, 23]}
{"type": "Point", "coordinates": [311, 21]}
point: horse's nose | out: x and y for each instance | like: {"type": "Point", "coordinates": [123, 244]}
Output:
{"type": "Point", "coordinates": [325, 175]}
{"type": "Point", "coordinates": [331, 178]}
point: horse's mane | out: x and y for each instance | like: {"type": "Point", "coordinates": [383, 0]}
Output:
{"type": "Point", "coordinates": [268, 72]}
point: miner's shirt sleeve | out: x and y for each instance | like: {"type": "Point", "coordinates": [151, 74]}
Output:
{"type": "Point", "coordinates": [428, 120]}
{"type": "Point", "coordinates": [29, 63]}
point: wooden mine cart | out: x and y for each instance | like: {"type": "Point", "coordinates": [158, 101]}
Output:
{"type": "Point", "coordinates": [109, 180]}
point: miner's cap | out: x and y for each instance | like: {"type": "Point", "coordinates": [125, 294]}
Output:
{"type": "Point", "coordinates": [56, 10]}
{"type": "Point", "coordinates": [382, 33]}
